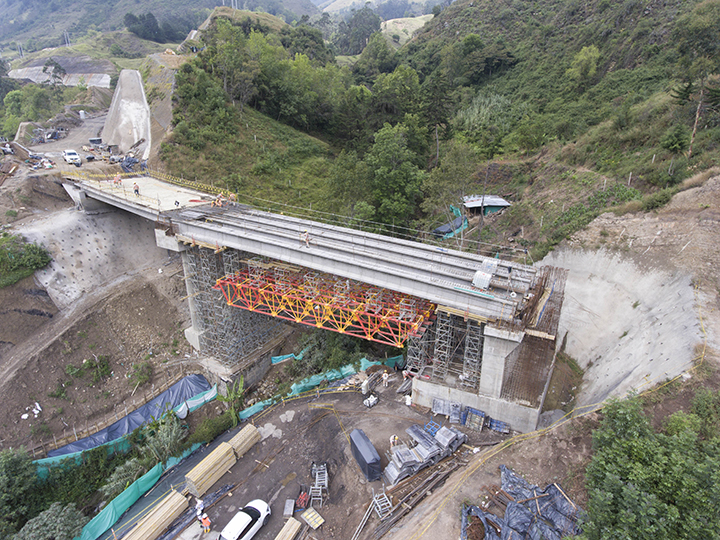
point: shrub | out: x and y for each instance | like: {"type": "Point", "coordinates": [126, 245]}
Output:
{"type": "Point", "coordinates": [141, 374]}
{"type": "Point", "coordinates": [211, 428]}
{"type": "Point", "coordinates": [657, 199]}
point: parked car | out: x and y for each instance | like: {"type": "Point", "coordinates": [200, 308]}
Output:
{"type": "Point", "coordinates": [247, 522]}
{"type": "Point", "coordinates": [71, 156]}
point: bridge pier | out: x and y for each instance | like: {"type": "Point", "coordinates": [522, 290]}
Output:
{"type": "Point", "coordinates": [498, 345]}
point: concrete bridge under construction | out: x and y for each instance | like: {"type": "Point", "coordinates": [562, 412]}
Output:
{"type": "Point", "coordinates": [479, 331]}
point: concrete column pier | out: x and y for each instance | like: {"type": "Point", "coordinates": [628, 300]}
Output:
{"type": "Point", "coordinates": [497, 345]}
{"type": "Point", "coordinates": [192, 334]}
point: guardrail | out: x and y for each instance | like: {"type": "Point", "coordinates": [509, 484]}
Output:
{"type": "Point", "coordinates": [108, 177]}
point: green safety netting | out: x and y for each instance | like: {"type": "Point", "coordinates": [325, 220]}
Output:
{"type": "Point", "coordinates": [43, 465]}
{"type": "Point", "coordinates": [278, 359]}
{"type": "Point", "coordinates": [195, 402]}
{"type": "Point", "coordinates": [109, 515]}
{"type": "Point", "coordinates": [315, 380]}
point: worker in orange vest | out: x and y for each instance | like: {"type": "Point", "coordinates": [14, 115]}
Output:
{"type": "Point", "coordinates": [205, 523]}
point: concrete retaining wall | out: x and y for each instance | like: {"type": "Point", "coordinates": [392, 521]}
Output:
{"type": "Point", "coordinates": [520, 418]}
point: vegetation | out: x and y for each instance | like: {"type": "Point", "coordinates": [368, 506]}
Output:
{"type": "Point", "coordinates": [146, 26]}
{"type": "Point", "coordinates": [465, 91]}
{"type": "Point", "coordinates": [234, 398]}
{"type": "Point", "coordinates": [655, 485]}
{"type": "Point", "coordinates": [323, 350]}
{"type": "Point", "coordinates": [58, 522]}
{"type": "Point", "coordinates": [141, 374]}
{"type": "Point", "coordinates": [19, 259]}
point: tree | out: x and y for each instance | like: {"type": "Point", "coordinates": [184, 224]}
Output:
{"type": "Point", "coordinates": [55, 72]}
{"type": "Point", "coordinates": [6, 83]}
{"type": "Point", "coordinates": [56, 523]}
{"type": "Point", "coordinates": [122, 477]}
{"type": "Point", "coordinates": [17, 481]}
{"type": "Point", "coordinates": [234, 397]}
{"type": "Point", "coordinates": [376, 58]}
{"type": "Point", "coordinates": [583, 67]}
{"type": "Point", "coordinates": [145, 26]}
{"type": "Point", "coordinates": [676, 139]}
{"type": "Point", "coordinates": [697, 38]}
{"type": "Point", "coordinates": [363, 24]}
{"type": "Point", "coordinates": [396, 179]}
{"type": "Point", "coordinates": [652, 485]}
{"type": "Point", "coordinates": [308, 41]}
{"type": "Point", "coordinates": [163, 439]}
{"type": "Point", "coordinates": [394, 95]}
{"type": "Point", "coordinates": [453, 178]}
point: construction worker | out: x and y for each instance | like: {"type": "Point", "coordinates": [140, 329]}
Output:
{"type": "Point", "coordinates": [385, 378]}
{"type": "Point", "coordinates": [205, 523]}
{"type": "Point", "coordinates": [136, 189]}
{"type": "Point", "coordinates": [305, 237]}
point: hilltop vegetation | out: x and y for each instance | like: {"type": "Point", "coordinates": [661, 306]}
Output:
{"type": "Point", "coordinates": [36, 24]}
{"type": "Point", "coordinates": [590, 104]}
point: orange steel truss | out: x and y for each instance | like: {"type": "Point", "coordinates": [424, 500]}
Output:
{"type": "Point", "coordinates": [325, 301]}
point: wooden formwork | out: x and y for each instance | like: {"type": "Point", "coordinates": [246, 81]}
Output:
{"type": "Point", "coordinates": [290, 530]}
{"type": "Point", "coordinates": [211, 469]}
{"type": "Point", "coordinates": [160, 518]}
{"type": "Point", "coordinates": [244, 440]}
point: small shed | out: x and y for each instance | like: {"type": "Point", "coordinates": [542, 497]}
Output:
{"type": "Point", "coordinates": [489, 204]}
{"type": "Point", "coordinates": [365, 454]}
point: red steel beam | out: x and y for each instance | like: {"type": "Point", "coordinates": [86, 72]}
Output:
{"type": "Point", "coordinates": [327, 302]}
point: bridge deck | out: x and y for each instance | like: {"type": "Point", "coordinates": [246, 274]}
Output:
{"type": "Point", "coordinates": [439, 275]}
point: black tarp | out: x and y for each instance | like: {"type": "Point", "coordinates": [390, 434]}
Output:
{"type": "Point", "coordinates": [540, 514]}
{"type": "Point", "coordinates": [179, 392]}
{"type": "Point", "coordinates": [365, 454]}
{"type": "Point", "coordinates": [454, 225]}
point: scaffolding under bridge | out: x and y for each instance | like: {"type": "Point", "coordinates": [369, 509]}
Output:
{"type": "Point", "coordinates": [324, 301]}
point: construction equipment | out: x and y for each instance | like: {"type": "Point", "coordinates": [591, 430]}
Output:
{"type": "Point", "coordinates": [381, 504]}
{"type": "Point", "coordinates": [320, 484]}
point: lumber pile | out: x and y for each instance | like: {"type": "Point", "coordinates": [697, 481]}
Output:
{"type": "Point", "coordinates": [210, 470]}
{"type": "Point", "coordinates": [160, 518]}
{"type": "Point", "coordinates": [290, 530]}
{"type": "Point", "coordinates": [244, 440]}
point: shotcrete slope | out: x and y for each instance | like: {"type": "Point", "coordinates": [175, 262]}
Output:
{"type": "Point", "coordinates": [128, 119]}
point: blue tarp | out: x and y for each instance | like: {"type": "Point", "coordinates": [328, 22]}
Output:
{"type": "Point", "coordinates": [177, 394]}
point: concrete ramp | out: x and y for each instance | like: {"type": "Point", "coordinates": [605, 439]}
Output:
{"type": "Point", "coordinates": [128, 119]}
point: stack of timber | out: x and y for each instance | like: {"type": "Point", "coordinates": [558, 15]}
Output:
{"type": "Point", "coordinates": [160, 518]}
{"type": "Point", "coordinates": [244, 440]}
{"type": "Point", "coordinates": [210, 469]}
{"type": "Point", "coordinates": [290, 530]}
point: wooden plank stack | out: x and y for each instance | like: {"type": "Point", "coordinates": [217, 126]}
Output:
{"type": "Point", "coordinates": [160, 518]}
{"type": "Point", "coordinates": [290, 530]}
{"type": "Point", "coordinates": [244, 440]}
{"type": "Point", "coordinates": [211, 469]}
